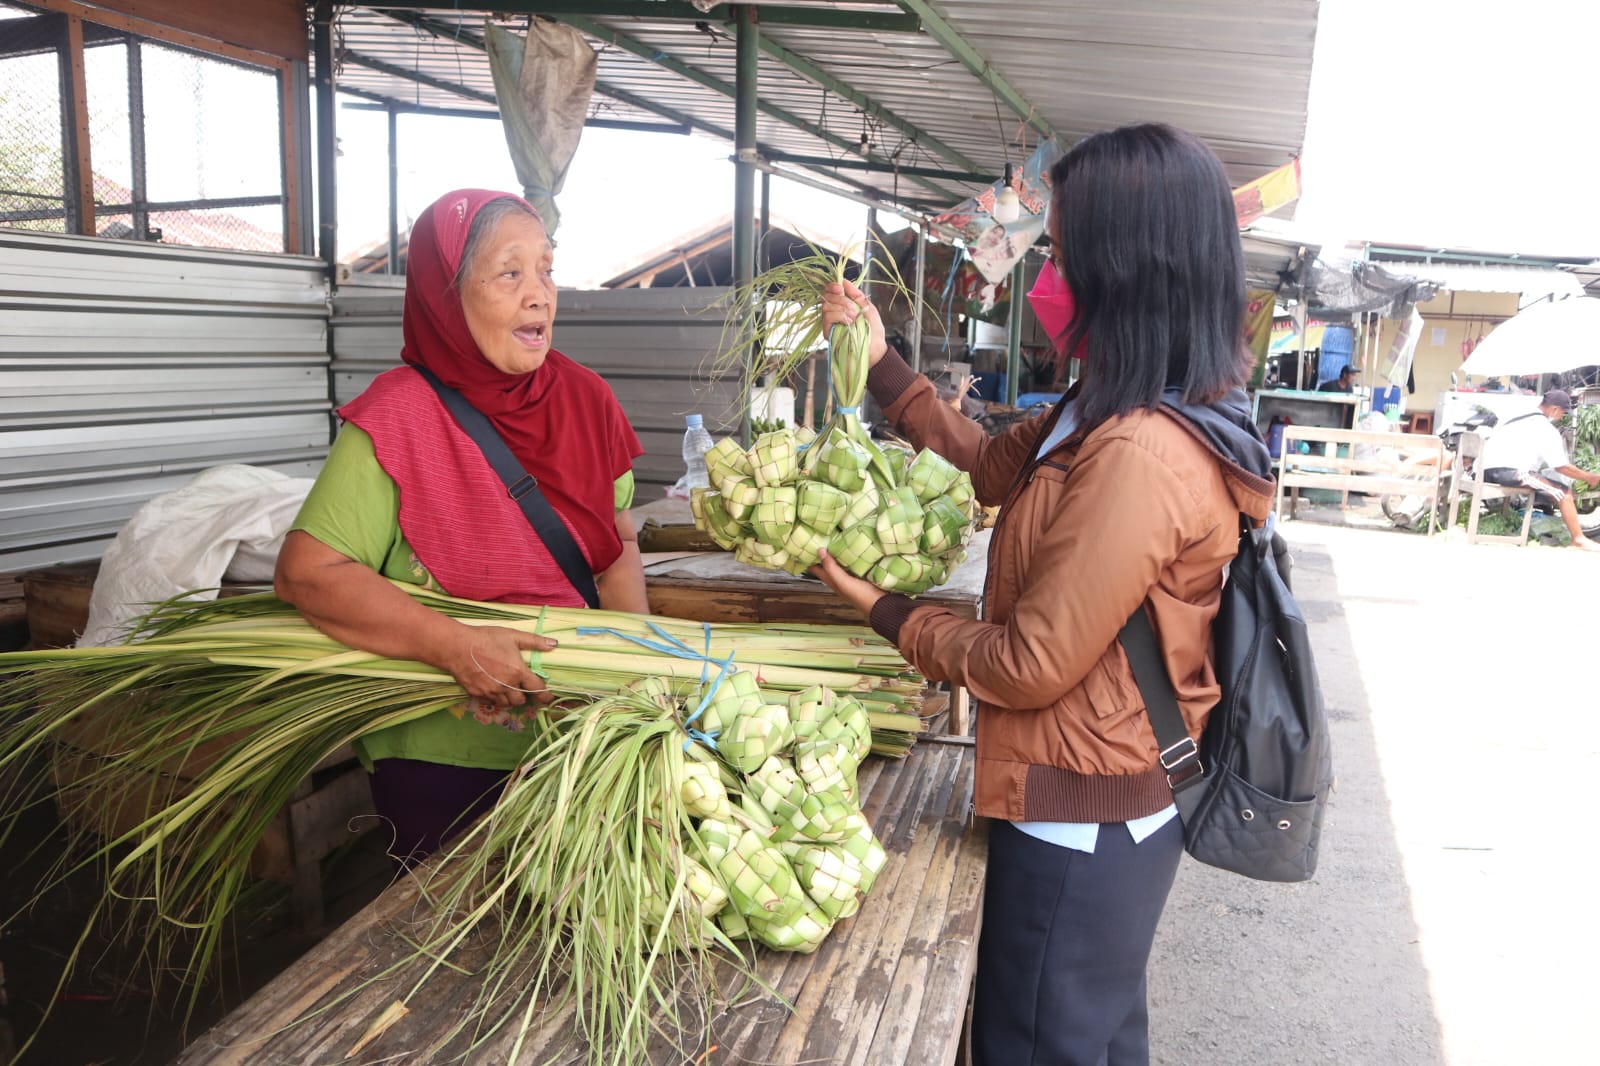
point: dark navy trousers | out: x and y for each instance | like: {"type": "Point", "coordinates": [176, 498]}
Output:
{"type": "Point", "coordinates": [1062, 953]}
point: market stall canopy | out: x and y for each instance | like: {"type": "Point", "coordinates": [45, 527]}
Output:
{"type": "Point", "coordinates": [1546, 338]}
{"type": "Point", "coordinates": [1531, 281]}
{"type": "Point", "coordinates": [917, 102]}
{"type": "Point", "coordinates": [1340, 283]}
{"type": "Point", "coordinates": [1274, 264]}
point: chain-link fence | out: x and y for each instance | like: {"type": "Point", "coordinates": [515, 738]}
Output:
{"type": "Point", "coordinates": [184, 148]}
{"type": "Point", "coordinates": [32, 174]}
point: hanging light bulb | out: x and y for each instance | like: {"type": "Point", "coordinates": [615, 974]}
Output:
{"type": "Point", "coordinates": [863, 146]}
{"type": "Point", "coordinates": [1007, 207]}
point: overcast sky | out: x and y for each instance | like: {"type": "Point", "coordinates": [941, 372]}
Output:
{"type": "Point", "coordinates": [1466, 123]}
{"type": "Point", "coordinates": [1435, 122]}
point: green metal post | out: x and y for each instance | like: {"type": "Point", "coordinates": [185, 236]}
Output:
{"type": "Point", "coordinates": [1014, 337]}
{"type": "Point", "coordinates": [327, 145]}
{"type": "Point", "coordinates": [744, 177]}
{"type": "Point", "coordinates": [394, 193]}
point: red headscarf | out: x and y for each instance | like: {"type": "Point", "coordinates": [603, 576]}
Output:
{"type": "Point", "coordinates": [561, 421]}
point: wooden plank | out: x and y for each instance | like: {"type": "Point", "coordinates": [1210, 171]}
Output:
{"type": "Point", "coordinates": [1371, 484]}
{"type": "Point", "coordinates": [331, 816]}
{"type": "Point", "coordinates": [942, 986]}
{"type": "Point", "coordinates": [276, 27]}
{"type": "Point", "coordinates": [1382, 439]}
{"type": "Point", "coordinates": [888, 985]}
{"type": "Point", "coordinates": [713, 587]}
{"type": "Point", "coordinates": [57, 601]}
{"type": "Point", "coordinates": [1368, 464]}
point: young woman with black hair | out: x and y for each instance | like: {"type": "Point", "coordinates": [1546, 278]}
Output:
{"type": "Point", "coordinates": [1125, 496]}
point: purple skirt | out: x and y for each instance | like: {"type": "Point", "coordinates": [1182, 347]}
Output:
{"type": "Point", "coordinates": [426, 803]}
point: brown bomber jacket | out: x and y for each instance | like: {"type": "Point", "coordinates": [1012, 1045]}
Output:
{"type": "Point", "coordinates": [1140, 509]}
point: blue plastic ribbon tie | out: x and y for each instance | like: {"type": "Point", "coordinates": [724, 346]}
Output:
{"type": "Point", "coordinates": [669, 644]}
{"type": "Point", "coordinates": [850, 410]}
{"type": "Point", "coordinates": [709, 739]}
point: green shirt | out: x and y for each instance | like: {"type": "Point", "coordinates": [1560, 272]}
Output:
{"type": "Point", "coordinates": [354, 508]}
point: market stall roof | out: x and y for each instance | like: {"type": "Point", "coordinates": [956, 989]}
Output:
{"type": "Point", "coordinates": [944, 92]}
{"type": "Point", "coordinates": [1493, 277]}
{"type": "Point", "coordinates": [1275, 263]}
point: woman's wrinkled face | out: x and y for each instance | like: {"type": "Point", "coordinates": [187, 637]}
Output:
{"type": "Point", "coordinates": [509, 295]}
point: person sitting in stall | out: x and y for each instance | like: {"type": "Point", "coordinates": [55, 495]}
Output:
{"type": "Point", "coordinates": [1345, 382]}
{"type": "Point", "coordinates": [1528, 451]}
{"type": "Point", "coordinates": [407, 495]}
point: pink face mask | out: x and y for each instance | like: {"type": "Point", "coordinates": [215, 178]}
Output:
{"type": "Point", "coordinates": [1052, 303]}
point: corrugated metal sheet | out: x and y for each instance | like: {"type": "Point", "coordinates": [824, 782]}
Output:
{"type": "Point", "coordinates": [365, 332]}
{"type": "Point", "coordinates": [1492, 277]}
{"type": "Point", "coordinates": [1236, 73]}
{"type": "Point", "coordinates": [651, 345]}
{"type": "Point", "coordinates": [126, 368]}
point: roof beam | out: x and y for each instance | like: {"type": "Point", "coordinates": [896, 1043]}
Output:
{"type": "Point", "coordinates": [831, 18]}
{"type": "Point", "coordinates": [417, 76]}
{"type": "Point", "coordinates": [709, 81]}
{"type": "Point", "coordinates": [936, 27]}
{"type": "Point", "coordinates": [807, 69]}
{"type": "Point", "coordinates": [972, 177]}
{"type": "Point", "coordinates": [446, 31]}
{"type": "Point", "coordinates": [374, 102]}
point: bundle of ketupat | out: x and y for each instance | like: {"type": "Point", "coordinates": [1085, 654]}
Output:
{"type": "Point", "coordinates": [902, 523]}
{"type": "Point", "coordinates": [899, 521]}
{"type": "Point", "coordinates": [781, 820]}
{"type": "Point", "coordinates": [643, 833]}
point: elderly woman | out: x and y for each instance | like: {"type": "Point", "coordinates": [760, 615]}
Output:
{"type": "Point", "coordinates": [1126, 497]}
{"type": "Point", "coordinates": [407, 495]}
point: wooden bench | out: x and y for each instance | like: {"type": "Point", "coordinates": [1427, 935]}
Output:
{"type": "Point", "coordinates": [1470, 482]}
{"type": "Point", "coordinates": [1398, 464]}
{"type": "Point", "coordinates": [890, 985]}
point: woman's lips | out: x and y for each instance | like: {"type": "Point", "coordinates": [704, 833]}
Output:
{"type": "Point", "coordinates": [532, 336]}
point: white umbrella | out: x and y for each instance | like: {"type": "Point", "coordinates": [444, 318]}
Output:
{"type": "Point", "coordinates": [1546, 338]}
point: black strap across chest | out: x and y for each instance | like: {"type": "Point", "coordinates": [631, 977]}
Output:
{"type": "Point", "coordinates": [521, 486]}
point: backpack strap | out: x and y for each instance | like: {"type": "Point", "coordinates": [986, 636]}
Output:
{"type": "Point", "coordinates": [1180, 756]}
{"type": "Point", "coordinates": [521, 486]}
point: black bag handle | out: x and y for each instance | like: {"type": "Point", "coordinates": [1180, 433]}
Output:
{"type": "Point", "coordinates": [521, 486]}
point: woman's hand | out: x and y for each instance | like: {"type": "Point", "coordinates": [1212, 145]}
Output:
{"type": "Point", "coordinates": [841, 303]}
{"type": "Point", "coordinates": [864, 595]}
{"type": "Point", "coordinates": [487, 661]}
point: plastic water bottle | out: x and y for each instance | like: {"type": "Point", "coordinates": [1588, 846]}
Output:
{"type": "Point", "coordinates": [696, 442]}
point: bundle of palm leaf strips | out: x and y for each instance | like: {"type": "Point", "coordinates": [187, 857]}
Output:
{"type": "Point", "coordinates": [697, 781]}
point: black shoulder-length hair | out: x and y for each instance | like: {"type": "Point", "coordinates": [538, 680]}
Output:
{"type": "Point", "coordinates": [1146, 236]}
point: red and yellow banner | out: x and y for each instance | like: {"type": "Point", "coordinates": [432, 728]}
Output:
{"type": "Point", "coordinates": [1258, 330]}
{"type": "Point", "coordinates": [1267, 193]}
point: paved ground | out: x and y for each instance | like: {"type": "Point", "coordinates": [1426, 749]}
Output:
{"type": "Point", "coordinates": [1449, 921]}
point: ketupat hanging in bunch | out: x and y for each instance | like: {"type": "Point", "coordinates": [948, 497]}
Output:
{"type": "Point", "coordinates": [794, 494]}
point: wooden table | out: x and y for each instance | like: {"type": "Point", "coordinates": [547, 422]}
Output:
{"type": "Point", "coordinates": [713, 587]}
{"type": "Point", "coordinates": [888, 986]}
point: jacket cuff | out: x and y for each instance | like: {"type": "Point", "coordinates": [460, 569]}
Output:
{"type": "Point", "coordinates": [890, 613]}
{"type": "Point", "coordinates": [891, 377]}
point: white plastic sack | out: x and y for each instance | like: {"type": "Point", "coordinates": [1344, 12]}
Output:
{"type": "Point", "coordinates": [226, 522]}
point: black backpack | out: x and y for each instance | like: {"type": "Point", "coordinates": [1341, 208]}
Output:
{"type": "Point", "coordinates": [1253, 791]}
